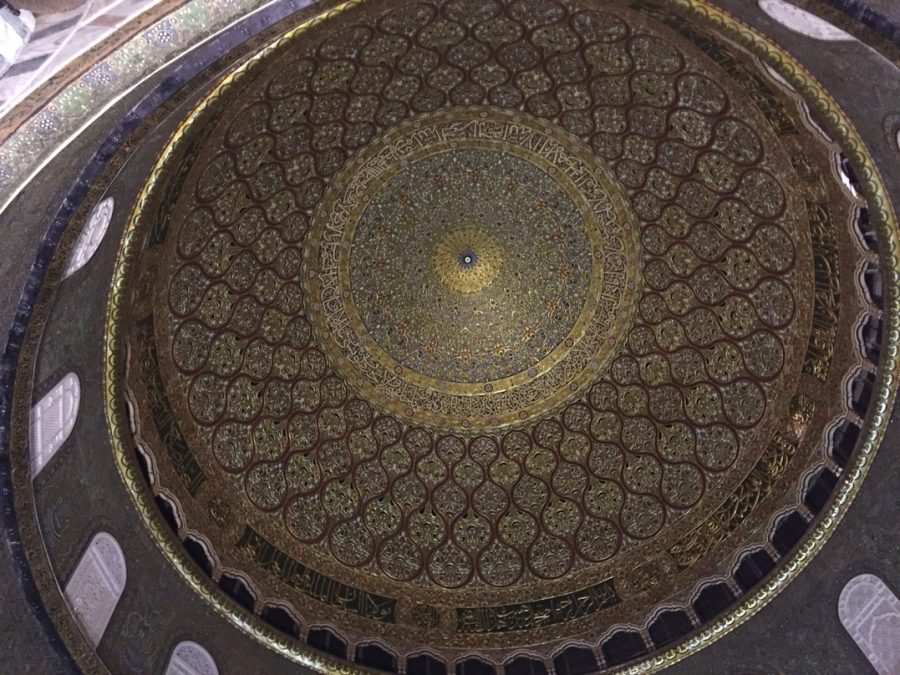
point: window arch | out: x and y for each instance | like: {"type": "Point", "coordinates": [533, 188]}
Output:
{"type": "Point", "coordinates": [475, 666]}
{"type": "Point", "coordinates": [525, 665]}
{"type": "Point", "coordinates": [325, 640]}
{"type": "Point", "coordinates": [670, 625]}
{"type": "Point", "coordinates": [623, 646]}
{"type": "Point", "coordinates": [753, 568]}
{"type": "Point", "coordinates": [788, 532]}
{"type": "Point", "coordinates": [281, 618]}
{"type": "Point", "coordinates": [90, 237]}
{"type": "Point", "coordinates": [376, 656]}
{"type": "Point", "coordinates": [870, 612]}
{"type": "Point", "coordinates": [425, 664]}
{"type": "Point", "coordinates": [575, 660]}
{"type": "Point", "coordinates": [189, 658]}
{"type": "Point", "coordinates": [94, 589]}
{"type": "Point", "coordinates": [803, 22]}
{"type": "Point", "coordinates": [239, 590]}
{"type": "Point", "coordinates": [712, 600]}
{"type": "Point", "coordinates": [52, 420]}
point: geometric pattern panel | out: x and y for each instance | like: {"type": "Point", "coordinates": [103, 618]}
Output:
{"type": "Point", "coordinates": [52, 420]}
{"type": "Point", "coordinates": [870, 613]}
{"type": "Point", "coordinates": [94, 589]}
{"type": "Point", "coordinates": [189, 658]}
{"type": "Point", "coordinates": [90, 237]}
{"type": "Point", "coordinates": [803, 22]}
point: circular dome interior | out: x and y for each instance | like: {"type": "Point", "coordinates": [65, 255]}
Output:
{"type": "Point", "coordinates": [482, 335]}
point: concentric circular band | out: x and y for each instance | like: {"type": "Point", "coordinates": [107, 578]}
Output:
{"type": "Point", "coordinates": [573, 362]}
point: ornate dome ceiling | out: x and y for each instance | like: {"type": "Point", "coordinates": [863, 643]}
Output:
{"type": "Point", "coordinates": [491, 330]}
{"type": "Point", "coordinates": [477, 326]}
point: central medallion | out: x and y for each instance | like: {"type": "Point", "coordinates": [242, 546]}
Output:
{"type": "Point", "coordinates": [469, 268]}
{"type": "Point", "coordinates": [467, 260]}
{"type": "Point", "coordinates": [470, 265]}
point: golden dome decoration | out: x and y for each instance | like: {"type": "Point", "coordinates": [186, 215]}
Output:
{"type": "Point", "coordinates": [483, 324]}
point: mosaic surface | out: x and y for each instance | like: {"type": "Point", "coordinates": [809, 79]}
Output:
{"type": "Point", "coordinates": [453, 240]}
{"type": "Point", "coordinates": [29, 139]}
{"type": "Point", "coordinates": [513, 315]}
{"type": "Point", "coordinates": [472, 321]}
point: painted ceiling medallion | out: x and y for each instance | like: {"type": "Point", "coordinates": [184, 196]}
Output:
{"type": "Point", "coordinates": [467, 260]}
{"type": "Point", "coordinates": [467, 264]}
{"type": "Point", "coordinates": [478, 325]}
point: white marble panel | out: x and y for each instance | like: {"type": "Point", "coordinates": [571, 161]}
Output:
{"type": "Point", "coordinates": [52, 420]}
{"type": "Point", "coordinates": [91, 236]}
{"type": "Point", "coordinates": [189, 658]}
{"type": "Point", "coordinates": [800, 21]}
{"type": "Point", "coordinates": [94, 589]}
{"type": "Point", "coordinates": [870, 612]}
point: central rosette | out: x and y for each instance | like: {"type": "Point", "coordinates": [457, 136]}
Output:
{"type": "Point", "coordinates": [467, 260]}
{"type": "Point", "coordinates": [470, 265]}
{"type": "Point", "coordinates": [471, 269]}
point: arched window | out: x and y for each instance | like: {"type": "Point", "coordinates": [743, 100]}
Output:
{"type": "Point", "coordinates": [326, 641]}
{"type": "Point", "coordinates": [870, 612]}
{"type": "Point", "coordinates": [669, 626]}
{"type": "Point", "coordinates": [94, 589]}
{"type": "Point", "coordinates": [425, 664]}
{"type": "Point", "coordinates": [376, 657]}
{"type": "Point", "coordinates": [475, 667]}
{"type": "Point", "coordinates": [753, 568]}
{"type": "Point", "coordinates": [189, 658]}
{"type": "Point", "coordinates": [575, 661]}
{"type": "Point", "coordinates": [623, 646]}
{"type": "Point", "coordinates": [524, 665]}
{"type": "Point", "coordinates": [803, 22]}
{"type": "Point", "coordinates": [90, 237]}
{"type": "Point", "coordinates": [712, 601]}
{"type": "Point", "coordinates": [789, 532]}
{"type": "Point", "coordinates": [280, 618]}
{"type": "Point", "coordinates": [52, 420]}
{"type": "Point", "coordinates": [238, 589]}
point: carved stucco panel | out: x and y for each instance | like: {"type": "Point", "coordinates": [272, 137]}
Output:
{"type": "Point", "coordinates": [189, 658]}
{"type": "Point", "coordinates": [52, 420]}
{"type": "Point", "coordinates": [90, 237]}
{"type": "Point", "coordinates": [870, 612]}
{"type": "Point", "coordinates": [94, 589]}
{"type": "Point", "coordinates": [803, 22]}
